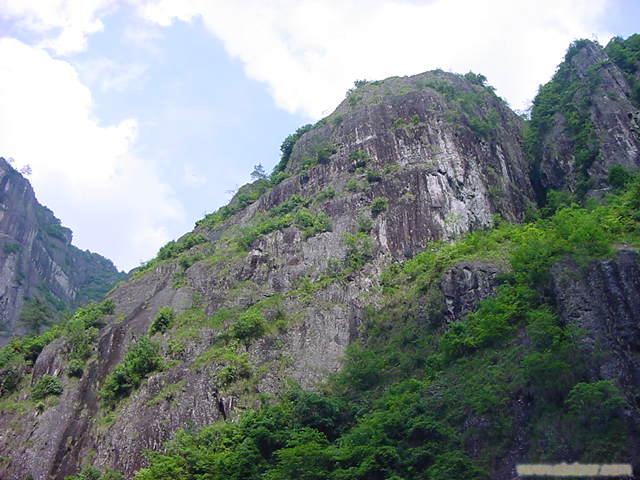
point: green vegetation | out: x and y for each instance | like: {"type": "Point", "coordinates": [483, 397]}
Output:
{"type": "Point", "coordinates": [312, 223]}
{"type": "Point", "coordinates": [45, 386]}
{"type": "Point", "coordinates": [373, 176]}
{"type": "Point", "coordinates": [79, 332]}
{"type": "Point", "coordinates": [181, 248]}
{"type": "Point", "coordinates": [162, 321]}
{"type": "Point", "coordinates": [246, 195]}
{"type": "Point", "coordinates": [569, 94]}
{"type": "Point", "coordinates": [471, 107]}
{"type": "Point", "coordinates": [353, 185]}
{"type": "Point", "coordinates": [320, 155]}
{"type": "Point", "coordinates": [626, 55]}
{"type": "Point", "coordinates": [359, 251]}
{"type": "Point", "coordinates": [379, 205]}
{"type": "Point", "coordinates": [360, 159]}
{"type": "Point", "coordinates": [92, 473]}
{"type": "Point", "coordinates": [326, 194]}
{"type": "Point", "coordinates": [619, 177]}
{"type": "Point", "coordinates": [142, 359]}
{"type": "Point", "coordinates": [11, 248]}
{"type": "Point", "coordinates": [287, 147]}
{"type": "Point", "coordinates": [75, 368]}
{"type": "Point", "coordinates": [365, 224]}
{"type": "Point", "coordinates": [249, 326]}
{"type": "Point", "coordinates": [174, 248]}
{"type": "Point", "coordinates": [36, 314]}
{"type": "Point", "coordinates": [168, 393]}
{"type": "Point", "coordinates": [292, 211]}
{"type": "Point", "coordinates": [324, 152]}
{"type": "Point", "coordinates": [416, 400]}
{"type": "Point", "coordinates": [236, 368]}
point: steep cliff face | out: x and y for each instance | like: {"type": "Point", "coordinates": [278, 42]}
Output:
{"type": "Point", "coordinates": [401, 163]}
{"type": "Point", "coordinates": [585, 120]}
{"type": "Point", "coordinates": [603, 300]}
{"type": "Point", "coordinates": [40, 271]}
{"type": "Point", "coordinates": [447, 149]}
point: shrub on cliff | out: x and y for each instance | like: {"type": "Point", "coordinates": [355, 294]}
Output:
{"type": "Point", "coordinates": [162, 321]}
{"type": "Point", "coordinates": [249, 326]}
{"type": "Point", "coordinates": [141, 360]}
{"type": "Point", "coordinates": [379, 205]}
{"type": "Point", "coordinates": [46, 385]}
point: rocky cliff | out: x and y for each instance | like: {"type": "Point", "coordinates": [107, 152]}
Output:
{"type": "Point", "coordinates": [275, 286]}
{"type": "Point", "coordinates": [586, 120]}
{"type": "Point", "coordinates": [399, 164]}
{"type": "Point", "coordinates": [41, 272]}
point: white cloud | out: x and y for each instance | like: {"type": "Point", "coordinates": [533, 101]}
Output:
{"type": "Point", "coordinates": [309, 52]}
{"type": "Point", "coordinates": [63, 24]}
{"type": "Point", "coordinates": [85, 171]}
{"type": "Point", "coordinates": [109, 75]}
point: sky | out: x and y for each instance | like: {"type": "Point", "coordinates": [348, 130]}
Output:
{"type": "Point", "coordinates": [137, 117]}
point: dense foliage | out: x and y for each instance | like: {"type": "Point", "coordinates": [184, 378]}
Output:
{"type": "Point", "coordinates": [162, 321]}
{"type": "Point", "coordinates": [626, 55]}
{"type": "Point", "coordinates": [79, 333]}
{"type": "Point", "coordinates": [416, 400]}
{"type": "Point", "coordinates": [45, 386]}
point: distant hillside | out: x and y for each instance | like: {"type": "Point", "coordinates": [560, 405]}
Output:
{"type": "Point", "coordinates": [42, 274]}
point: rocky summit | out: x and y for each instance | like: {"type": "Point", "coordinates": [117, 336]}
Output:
{"type": "Point", "coordinates": [428, 285]}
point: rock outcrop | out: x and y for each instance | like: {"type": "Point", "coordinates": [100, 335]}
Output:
{"type": "Point", "coordinates": [586, 120]}
{"type": "Point", "coordinates": [39, 267]}
{"type": "Point", "coordinates": [464, 285]}
{"type": "Point", "coordinates": [603, 300]}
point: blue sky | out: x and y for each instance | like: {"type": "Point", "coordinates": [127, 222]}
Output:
{"type": "Point", "coordinates": [202, 120]}
{"type": "Point", "coordinates": [138, 117]}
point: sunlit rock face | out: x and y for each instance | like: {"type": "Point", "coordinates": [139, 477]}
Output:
{"type": "Point", "coordinates": [448, 153]}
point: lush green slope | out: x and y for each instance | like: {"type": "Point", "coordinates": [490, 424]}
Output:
{"type": "Point", "coordinates": [416, 400]}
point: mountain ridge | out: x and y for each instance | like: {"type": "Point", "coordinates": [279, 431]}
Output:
{"type": "Point", "coordinates": [390, 234]}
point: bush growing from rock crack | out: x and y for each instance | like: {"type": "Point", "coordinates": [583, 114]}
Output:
{"type": "Point", "coordinates": [46, 385]}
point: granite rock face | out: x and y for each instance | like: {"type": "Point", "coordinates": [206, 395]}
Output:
{"type": "Point", "coordinates": [439, 154]}
{"type": "Point", "coordinates": [448, 150]}
{"type": "Point", "coordinates": [601, 94]}
{"type": "Point", "coordinates": [603, 299]}
{"type": "Point", "coordinates": [38, 263]}
{"type": "Point", "coordinates": [464, 285]}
